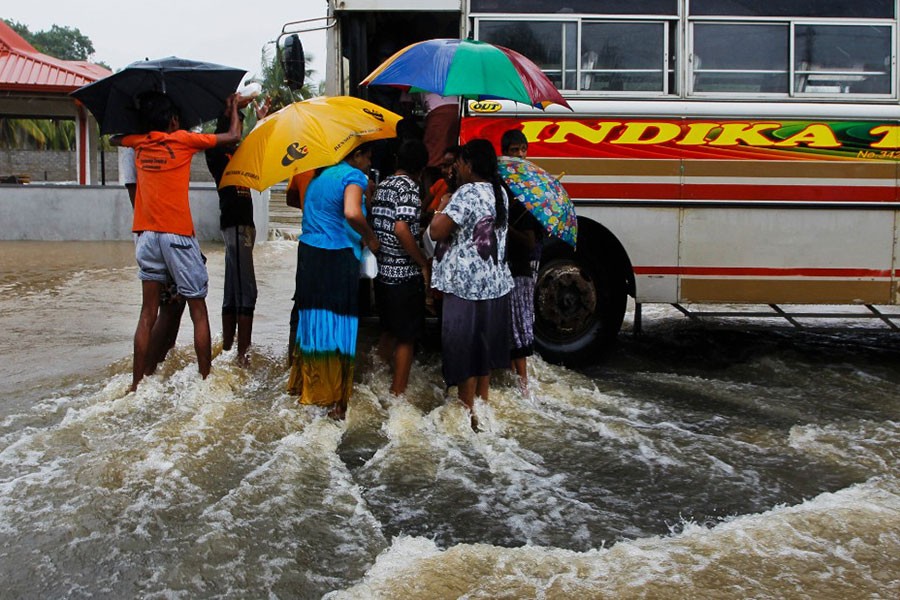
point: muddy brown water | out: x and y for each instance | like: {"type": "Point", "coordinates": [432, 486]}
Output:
{"type": "Point", "coordinates": [696, 461]}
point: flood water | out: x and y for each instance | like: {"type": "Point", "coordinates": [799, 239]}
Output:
{"type": "Point", "coordinates": [696, 461]}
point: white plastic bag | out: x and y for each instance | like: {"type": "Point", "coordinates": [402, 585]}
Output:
{"type": "Point", "coordinates": [368, 265]}
{"type": "Point", "coordinates": [428, 243]}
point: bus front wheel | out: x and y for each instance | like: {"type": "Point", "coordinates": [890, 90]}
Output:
{"type": "Point", "coordinates": [579, 306]}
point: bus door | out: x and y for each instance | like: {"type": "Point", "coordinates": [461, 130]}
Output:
{"type": "Point", "coordinates": [370, 32]}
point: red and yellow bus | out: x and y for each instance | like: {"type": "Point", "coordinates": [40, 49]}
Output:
{"type": "Point", "coordinates": [717, 151]}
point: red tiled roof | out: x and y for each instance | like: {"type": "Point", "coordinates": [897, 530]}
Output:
{"type": "Point", "coordinates": [24, 69]}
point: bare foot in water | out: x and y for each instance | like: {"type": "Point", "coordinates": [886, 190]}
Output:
{"type": "Point", "coordinates": [338, 412]}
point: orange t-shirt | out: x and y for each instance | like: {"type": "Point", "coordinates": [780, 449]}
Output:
{"type": "Point", "coordinates": [163, 177]}
{"type": "Point", "coordinates": [437, 191]}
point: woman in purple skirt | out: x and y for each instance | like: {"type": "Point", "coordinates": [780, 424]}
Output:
{"type": "Point", "coordinates": [470, 269]}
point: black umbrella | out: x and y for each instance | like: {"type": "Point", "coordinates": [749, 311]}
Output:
{"type": "Point", "coordinates": [198, 89]}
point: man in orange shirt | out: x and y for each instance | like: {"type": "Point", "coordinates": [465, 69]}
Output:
{"type": "Point", "coordinates": [165, 248]}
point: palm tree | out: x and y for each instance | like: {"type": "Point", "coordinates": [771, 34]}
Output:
{"type": "Point", "coordinates": [37, 134]}
{"type": "Point", "coordinates": [273, 80]}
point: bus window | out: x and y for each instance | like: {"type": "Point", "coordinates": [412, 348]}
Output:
{"type": "Point", "coordinates": [623, 56]}
{"type": "Point", "coordinates": [552, 45]}
{"type": "Point", "coordinates": [616, 56]}
{"type": "Point", "coordinates": [870, 9]}
{"type": "Point", "coordinates": [842, 59]}
{"type": "Point", "coordinates": [827, 58]}
{"type": "Point", "coordinates": [609, 7]}
{"type": "Point", "coordinates": [717, 68]}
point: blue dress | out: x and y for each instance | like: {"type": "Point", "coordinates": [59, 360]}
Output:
{"type": "Point", "coordinates": [327, 292]}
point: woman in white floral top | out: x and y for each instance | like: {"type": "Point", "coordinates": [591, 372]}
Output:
{"type": "Point", "coordinates": [470, 269]}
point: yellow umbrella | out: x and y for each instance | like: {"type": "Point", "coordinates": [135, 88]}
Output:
{"type": "Point", "coordinates": [304, 136]}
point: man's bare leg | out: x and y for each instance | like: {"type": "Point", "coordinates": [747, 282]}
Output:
{"type": "Point", "coordinates": [244, 334]}
{"type": "Point", "coordinates": [229, 326]}
{"type": "Point", "coordinates": [202, 345]}
{"type": "Point", "coordinates": [150, 291]}
{"type": "Point", "coordinates": [164, 334]}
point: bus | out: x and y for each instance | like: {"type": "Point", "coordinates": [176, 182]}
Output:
{"type": "Point", "coordinates": [717, 151]}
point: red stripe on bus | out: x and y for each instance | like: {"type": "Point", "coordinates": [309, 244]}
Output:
{"type": "Point", "coordinates": [726, 192]}
{"type": "Point", "coordinates": [762, 271]}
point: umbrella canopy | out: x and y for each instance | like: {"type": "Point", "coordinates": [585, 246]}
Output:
{"type": "Point", "coordinates": [543, 195]}
{"type": "Point", "coordinates": [304, 136]}
{"type": "Point", "coordinates": [468, 68]}
{"type": "Point", "coordinates": [198, 89]}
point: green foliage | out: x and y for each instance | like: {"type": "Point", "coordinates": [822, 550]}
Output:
{"type": "Point", "coordinates": [19, 28]}
{"type": "Point", "coordinates": [66, 43]}
{"type": "Point", "coordinates": [37, 134]}
{"type": "Point", "coordinates": [273, 84]}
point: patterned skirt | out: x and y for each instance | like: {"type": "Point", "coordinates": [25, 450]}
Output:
{"type": "Point", "coordinates": [328, 320]}
{"type": "Point", "coordinates": [521, 303]}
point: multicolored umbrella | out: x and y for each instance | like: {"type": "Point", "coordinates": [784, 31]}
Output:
{"type": "Point", "coordinates": [306, 135]}
{"type": "Point", "coordinates": [467, 68]}
{"type": "Point", "coordinates": [543, 195]}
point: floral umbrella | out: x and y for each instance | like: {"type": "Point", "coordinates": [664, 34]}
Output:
{"type": "Point", "coordinates": [467, 68]}
{"type": "Point", "coordinates": [543, 195]}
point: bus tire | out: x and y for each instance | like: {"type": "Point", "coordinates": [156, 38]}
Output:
{"type": "Point", "coordinates": [579, 304]}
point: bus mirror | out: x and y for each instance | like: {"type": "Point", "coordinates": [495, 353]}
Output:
{"type": "Point", "coordinates": [293, 62]}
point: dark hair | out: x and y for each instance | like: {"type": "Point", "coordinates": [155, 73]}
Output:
{"type": "Point", "coordinates": [412, 156]}
{"type": "Point", "coordinates": [408, 129]}
{"type": "Point", "coordinates": [482, 158]}
{"type": "Point", "coordinates": [364, 148]}
{"type": "Point", "coordinates": [510, 137]}
{"type": "Point", "coordinates": [156, 111]}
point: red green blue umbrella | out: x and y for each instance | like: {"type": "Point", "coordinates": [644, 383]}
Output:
{"type": "Point", "coordinates": [467, 68]}
{"type": "Point", "coordinates": [543, 195]}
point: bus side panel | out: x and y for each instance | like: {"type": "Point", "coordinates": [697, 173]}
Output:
{"type": "Point", "coordinates": [731, 210]}
{"type": "Point", "coordinates": [895, 289]}
{"type": "Point", "coordinates": [655, 264]}
{"type": "Point", "coordinates": [777, 255]}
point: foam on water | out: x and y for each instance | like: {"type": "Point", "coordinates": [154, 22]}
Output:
{"type": "Point", "coordinates": [769, 473]}
{"type": "Point", "coordinates": [811, 550]}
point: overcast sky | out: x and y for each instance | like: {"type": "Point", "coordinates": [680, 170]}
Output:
{"type": "Point", "coordinates": [123, 31]}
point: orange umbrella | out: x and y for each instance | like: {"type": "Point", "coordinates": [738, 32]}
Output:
{"type": "Point", "coordinates": [304, 136]}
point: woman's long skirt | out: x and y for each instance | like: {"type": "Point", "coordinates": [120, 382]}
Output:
{"type": "Point", "coordinates": [327, 323]}
{"type": "Point", "coordinates": [474, 337]}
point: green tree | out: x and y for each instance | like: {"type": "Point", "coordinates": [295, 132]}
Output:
{"type": "Point", "coordinates": [19, 28]}
{"type": "Point", "coordinates": [66, 43]}
{"type": "Point", "coordinates": [273, 82]}
{"type": "Point", "coordinates": [37, 134]}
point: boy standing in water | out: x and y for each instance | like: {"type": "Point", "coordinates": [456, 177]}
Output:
{"type": "Point", "coordinates": [239, 235]}
{"type": "Point", "coordinates": [523, 256]}
{"type": "Point", "coordinates": [166, 247]}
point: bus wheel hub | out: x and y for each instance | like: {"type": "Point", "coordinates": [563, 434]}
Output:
{"type": "Point", "coordinates": [565, 297]}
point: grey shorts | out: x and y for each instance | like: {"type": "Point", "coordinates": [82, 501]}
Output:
{"type": "Point", "coordinates": [240, 278]}
{"type": "Point", "coordinates": [164, 257]}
